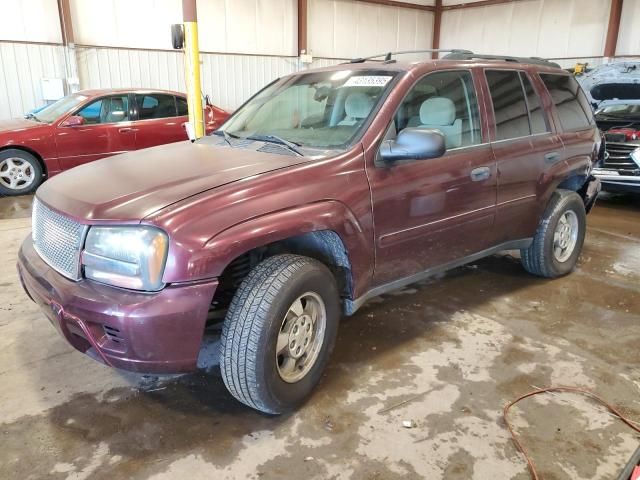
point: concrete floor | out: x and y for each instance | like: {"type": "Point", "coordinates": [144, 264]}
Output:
{"type": "Point", "coordinates": [467, 343]}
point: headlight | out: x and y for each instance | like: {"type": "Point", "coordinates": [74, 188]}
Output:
{"type": "Point", "coordinates": [128, 257]}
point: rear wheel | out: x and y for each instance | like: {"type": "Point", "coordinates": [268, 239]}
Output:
{"type": "Point", "coordinates": [558, 240]}
{"type": "Point", "coordinates": [20, 172]}
{"type": "Point", "coordinates": [279, 332]}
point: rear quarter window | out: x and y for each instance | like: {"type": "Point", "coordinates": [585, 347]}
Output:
{"type": "Point", "coordinates": [570, 101]}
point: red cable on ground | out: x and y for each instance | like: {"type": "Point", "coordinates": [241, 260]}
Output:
{"type": "Point", "coordinates": [611, 408]}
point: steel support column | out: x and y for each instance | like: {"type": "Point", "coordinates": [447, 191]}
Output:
{"type": "Point", "coordinates": [302, 27]}
{"type": "Point", "coordinates": [613, 29]}
{"type": "Point", "coordinates": [437, 22]}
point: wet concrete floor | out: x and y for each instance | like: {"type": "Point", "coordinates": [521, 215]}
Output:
{"type": "Point", "coordinates": [458, 348]}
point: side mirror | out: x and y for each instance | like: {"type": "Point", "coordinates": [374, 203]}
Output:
{"type": "Point", "coordinates": [73, 121]}
{"type": "Point", "coordinates": [177, 36]}
{"type": "Point", "coordinates": [414, 144]}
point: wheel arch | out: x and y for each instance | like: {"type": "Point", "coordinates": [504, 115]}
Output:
{"type": "Point", "coordinates": [325, 231]}
{"type": "Point", "coordinates": [31, 151]}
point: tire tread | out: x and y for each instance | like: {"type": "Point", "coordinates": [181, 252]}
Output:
{"type": "Point", "coordinates": [246, 319]}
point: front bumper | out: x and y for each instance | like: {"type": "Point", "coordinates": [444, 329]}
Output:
{"type": "Point", "coordinates": [150, 333]}
{"type": "Point", "coordinates": [612, 181]}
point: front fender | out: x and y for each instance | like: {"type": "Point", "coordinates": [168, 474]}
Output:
{"type": "Point", "coordinates": [260, 231]}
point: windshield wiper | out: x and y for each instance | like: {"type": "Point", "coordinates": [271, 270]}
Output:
{"type": "Point", "coordinates": [292, 146]}
{"type": "Point", "coordinates": [227, 136]}
{"type": "Point", "coordinates": [31, 116]}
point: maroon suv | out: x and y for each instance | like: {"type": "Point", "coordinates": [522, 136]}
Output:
{"type": "Point", "coordinates": [327, 188]}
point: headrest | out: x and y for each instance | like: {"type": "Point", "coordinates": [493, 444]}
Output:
{"type": "Point", "coordinates": [358, 105]}
{"type": "Point", "coordinates": [437, 111]}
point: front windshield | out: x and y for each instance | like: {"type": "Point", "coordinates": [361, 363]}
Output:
{"type": "Point", "coordinates": [322, 110]}
{"type": "Point", "coordinates": [52, 112]}
{"type": "Point", "coordinates": [621, 110]}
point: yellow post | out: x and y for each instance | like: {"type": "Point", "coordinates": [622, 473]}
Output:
{"type": "Point", "coordinates": [192, 66]}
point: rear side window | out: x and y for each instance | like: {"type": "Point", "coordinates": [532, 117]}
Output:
{"type": "Point", "coordinates": [571, 103]}
{"type": "Point", "coordinates": [509, 105]}
{"type": "Point", "coordinates": [181, 103]}
{"type": "Point", "coordinates": [537, 116]}
{"type": "Point", "coordinates": [155, 106]}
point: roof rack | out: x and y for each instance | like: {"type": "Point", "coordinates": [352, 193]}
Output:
{"type": "Point", "coordinates": [459, 54]}
{"type": "Point", "coordinates": [467, 55]}
{"type": "Point", "coordinates": [388, 56]}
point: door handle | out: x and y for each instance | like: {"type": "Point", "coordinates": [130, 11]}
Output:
{"type": "Point", "coordinates": [479, 174]}
{"type": "Point", "coordinates": [551, 157]}
{"type": "Point", "coordinates": [127, 130]}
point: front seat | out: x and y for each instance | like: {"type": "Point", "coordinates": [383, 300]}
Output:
{"type": "Point", "coordinates": [117, 111]}
{"type": "Point", "coordinates": [439, 113]}
{"type": "Point", "coordinates": [357, 107]}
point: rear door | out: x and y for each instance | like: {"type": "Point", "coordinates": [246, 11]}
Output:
{"type": "Point", "coordinates": [525, 147]}
{"type": "Point", "coordinates": [159, 119]}
{"type": "Point", "coordinates": [107, 130]}
{"type": "Point", "coordinates": [428, 213]}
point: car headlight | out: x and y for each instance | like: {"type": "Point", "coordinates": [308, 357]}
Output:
{"type": "Point", "coordinates": [129, 257]}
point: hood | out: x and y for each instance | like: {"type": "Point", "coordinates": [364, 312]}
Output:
{"type": "Point", "coordinates": [134, 185]}
{"type": "Point", "coordinates": [612, 81]}
{"type": "Point", "coordinates": [19, 124]}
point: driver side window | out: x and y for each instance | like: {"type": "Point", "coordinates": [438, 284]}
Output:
{"type": "Point", "coordinates": [444, 101]}
{"type": "Point", "coordinates": [106, 110]}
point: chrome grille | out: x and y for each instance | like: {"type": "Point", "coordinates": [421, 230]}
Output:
{"type": "Point", "coordinates": [57, 239]}
{"type": "Point", "coordinates": [620, 158]}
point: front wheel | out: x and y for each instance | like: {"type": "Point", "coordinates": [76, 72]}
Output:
{"type": "Point", "coordinates": [558, 241]}
{"type": "Point", "coordinates": [20, 172]}
{"type": "Point", "coordinates": [279, 332]}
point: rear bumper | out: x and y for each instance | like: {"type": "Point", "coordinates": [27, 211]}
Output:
{"type": "Point", "coordinates": [613, 182]}
{"type": "Point", "coordinates": [150, 333]}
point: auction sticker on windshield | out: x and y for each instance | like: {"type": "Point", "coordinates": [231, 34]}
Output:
{"type": "Point", "coordinates": [368, 81]}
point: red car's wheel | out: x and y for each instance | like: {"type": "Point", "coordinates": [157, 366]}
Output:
{"type": "Point", "coordinates": [20, 172]}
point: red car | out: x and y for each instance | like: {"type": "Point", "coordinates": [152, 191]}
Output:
{"type": "Point", "coordinates": [87, 126]}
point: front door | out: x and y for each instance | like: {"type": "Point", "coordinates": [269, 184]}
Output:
{"type": "Point", "coordinates": [431, 212]}
{"type": "Point", "coordinates": [159, 120]}
{"type": "Point", "coordinates": [106, 131]}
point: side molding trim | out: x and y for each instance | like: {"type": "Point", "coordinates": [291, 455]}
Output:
{"type": "Point", "coordinates": [351, 306]}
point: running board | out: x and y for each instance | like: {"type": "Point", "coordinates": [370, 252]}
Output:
{"type": "Point", "coordinates": [351, 306]}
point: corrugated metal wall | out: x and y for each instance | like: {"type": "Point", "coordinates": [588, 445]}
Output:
{"type": "Point", "coordinates": [629, 37]}
{"type": "Point", "coordinates": [544, 28]}
{"type": "Point", "coordinates": [22, 66]}
{"type": "Point", "coordinates": [343, 29]}
{"type": "Point", "coordinates": [228, 79]}
{"type": "Point", "coordinates": [18, 22]}
{"type": "Point", "coordinates": [231, 26]}
{"type": "Point", "coordinates": [258, 44]}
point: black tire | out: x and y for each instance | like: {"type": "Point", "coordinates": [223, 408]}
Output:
{"type": "Point", "coordinates": [26, 160]}
{"type": "Point", "coordinates": [253, 322]}
{"type": "Point", "coordinates": [539, 258]}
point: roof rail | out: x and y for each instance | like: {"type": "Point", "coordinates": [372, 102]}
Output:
{"type": "Point", "coordinates": [467, 55]}
{"type": "Point", "coordinates": [388, 56]}
{"type": "Point", "coordinates": [459, 54]}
